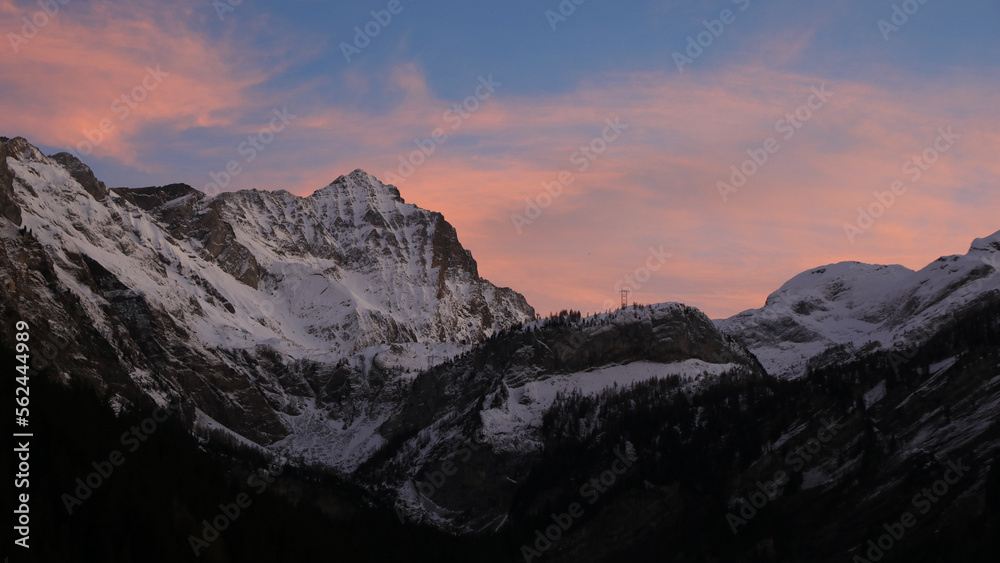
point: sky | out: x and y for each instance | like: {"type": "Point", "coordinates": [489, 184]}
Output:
{"type": "Point", "coordinates": [702, 152]}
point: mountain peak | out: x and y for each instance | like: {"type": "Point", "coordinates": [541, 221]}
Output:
{"type": "Point", "coordinates": [20, 149]}
{"type": "Point", "coordinates": [360, 184]}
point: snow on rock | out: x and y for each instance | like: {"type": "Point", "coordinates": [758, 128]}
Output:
{"type": "Point", "coordinates": [851, 305]}
{"type": "Point", "coordinates": [515, 425]}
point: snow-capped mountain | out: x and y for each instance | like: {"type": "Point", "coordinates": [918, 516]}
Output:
{"type": "Point", "coordinates": [851, 305]}
{"type": "Point", "coordinates": [262, 307]}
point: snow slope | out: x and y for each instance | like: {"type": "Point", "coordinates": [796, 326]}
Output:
{"type": "Point", "coordinates": [516, 424]}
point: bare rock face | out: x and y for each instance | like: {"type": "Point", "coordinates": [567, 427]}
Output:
{"type": "Point", "coordinates": [8, 208]}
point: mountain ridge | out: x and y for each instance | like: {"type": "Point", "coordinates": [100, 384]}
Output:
{"type": "Point", "coordinates": [852, 304]}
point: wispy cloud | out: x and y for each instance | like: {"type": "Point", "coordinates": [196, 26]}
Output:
{"type": "Point", "coordinates": [89, 64]}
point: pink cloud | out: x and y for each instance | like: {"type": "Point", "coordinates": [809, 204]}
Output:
{"type": "Point", "coordinates": [130, 65]}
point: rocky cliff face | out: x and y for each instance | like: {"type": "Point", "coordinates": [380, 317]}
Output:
{"type": "Point", "coordinates": [8, 207]}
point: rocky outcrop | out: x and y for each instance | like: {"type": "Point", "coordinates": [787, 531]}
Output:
{"type": "Point", "coordinates": [188, 214]}
{"type": "Point", "coordinates": [155, 198]}
{"type": "Point", "coordinates": [8, 207]}
{"type": "Point", "coordinates": [82, 174]}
